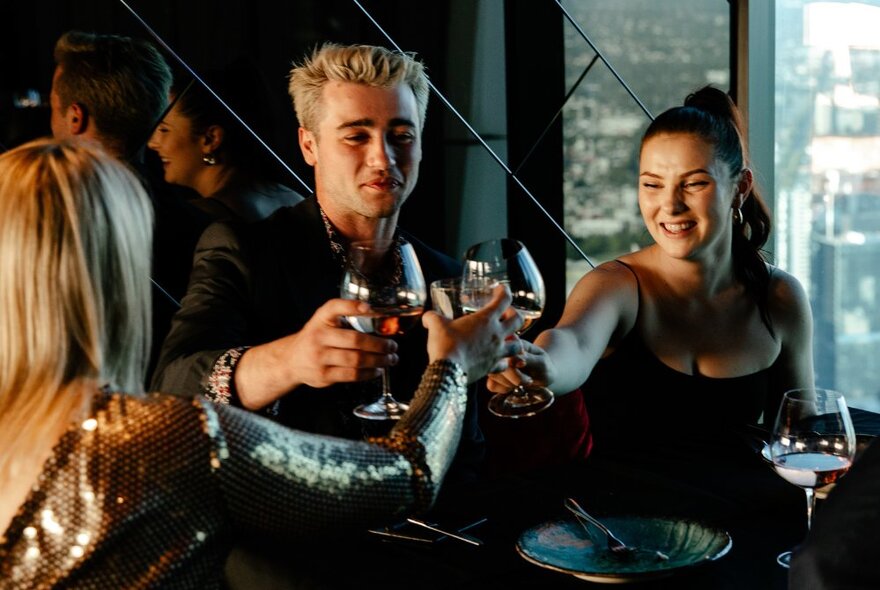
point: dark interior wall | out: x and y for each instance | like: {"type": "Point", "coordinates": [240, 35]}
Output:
{"type": "Point", "coordinates": [208, 35]}
{"type": "Point", "coordinates": [535, 90]}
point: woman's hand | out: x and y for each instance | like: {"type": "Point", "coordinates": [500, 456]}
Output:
{"type": "Point", "coordinates": [477, 341]}
{"type": "Point", "coordinates": [529, 364]}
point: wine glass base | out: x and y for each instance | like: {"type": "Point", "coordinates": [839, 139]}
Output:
{"type": "Point", "coordinates": [784, 559]}
{"type": "Point", "coordinates": [382, 409]}
{"type": "Point", "coordinates": [523, 404]}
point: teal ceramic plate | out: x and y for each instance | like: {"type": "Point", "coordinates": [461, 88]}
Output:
{"type": "Point", "coordinates": [564, 546]}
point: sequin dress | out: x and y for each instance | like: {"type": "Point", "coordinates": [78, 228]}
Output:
{"type": "Point", "coordinates": [150, 492]}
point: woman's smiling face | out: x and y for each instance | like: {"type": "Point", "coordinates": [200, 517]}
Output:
{"type": "Point", "coordinates": [685, 195]}
{"type": "Point", "coordinates": [178, 148]}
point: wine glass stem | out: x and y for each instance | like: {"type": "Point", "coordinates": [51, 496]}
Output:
{"type": "Point", "coordinates": [811, 503]}
{"type": "Point", "coordinates": [386, 386]}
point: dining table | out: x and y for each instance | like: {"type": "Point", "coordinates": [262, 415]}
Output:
{"type": "Point", "coordinates": [762, 514]}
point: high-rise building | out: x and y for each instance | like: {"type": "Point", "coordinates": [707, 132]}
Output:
{"type": "Point", "coordinates": [845, 295]}
{"type": "Point", "coordinates": [828, 194]}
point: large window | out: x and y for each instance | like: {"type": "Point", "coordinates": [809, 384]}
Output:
{"type": "Point", "coordinates": [659, 50]}
{"type": "Point", "coordinates": [828, 182]}
{"type": "Point", "coordinates": [824, 177]}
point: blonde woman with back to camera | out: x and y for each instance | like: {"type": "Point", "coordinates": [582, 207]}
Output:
{"type": "Point", "coordinates": [104, 487]}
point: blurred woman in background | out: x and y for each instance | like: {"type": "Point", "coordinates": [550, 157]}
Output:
{"type": "Point", "coordinates": [203, 147]}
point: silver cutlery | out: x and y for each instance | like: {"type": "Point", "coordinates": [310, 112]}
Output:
{"type": "Point", "coordinates": [457, 535]}
{"type": "Point", "coordinates": [615, 545]}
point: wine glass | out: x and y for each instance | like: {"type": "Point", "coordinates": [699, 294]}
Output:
{"type": "Point", "coordinates": [813, 443]}
{"type": "Point", "coordinates": [453, 297]}
{"type": "Point", "coordinates": [446, 297]}
{"type": "Point", "coordinates": [504, 260]}
{"type": "Point", "coordinates": [386, 274]}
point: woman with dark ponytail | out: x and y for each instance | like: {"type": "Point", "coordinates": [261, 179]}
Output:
{"type": "Point", "coordinates": [697, 335]}
{"type": "Point", "coordinates": [710, 114]}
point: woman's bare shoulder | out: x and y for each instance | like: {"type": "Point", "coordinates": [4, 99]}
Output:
{"type": "Point", "coordinates": [784, 287]}
{"type": "Point", "coordinates": [611, 289]}
{"type": "Point", "coordinates": [612, 274]}
{"type": "Point", "coordinates": [787, 300]}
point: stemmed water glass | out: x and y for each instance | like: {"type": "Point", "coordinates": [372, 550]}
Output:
{"type": "Point", "coordinates": [447, 297]}
{"type": "Point", "coordinates": [504, 260]}
{"type": "Point", "coordinates": [453, 297]}
{"type": "Point", "coordinates": [387, 275]}
{"type": "Point", "coordinates": [813, 443]}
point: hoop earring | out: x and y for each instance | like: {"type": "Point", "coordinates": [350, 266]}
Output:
{"type": "Point", "coordinates": [209, 159]}
{"type": "Point", "coordinates": [737, 216]}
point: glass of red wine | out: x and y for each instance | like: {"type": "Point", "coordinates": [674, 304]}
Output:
{"type": "Point", "coordinates": [386, 274]}
{"type": "Point", "coordinates": [813, 443]}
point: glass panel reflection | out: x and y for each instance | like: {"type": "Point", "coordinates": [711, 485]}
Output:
{"type": "Point", "coordinates": [653, 47]}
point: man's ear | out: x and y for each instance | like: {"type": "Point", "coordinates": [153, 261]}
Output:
{"type": "Point", "coordinates": [308, 143]}
{"type": "Point", "coordinates": [212, 139]}
{"type": "Point", "coordinates": [77, 118]}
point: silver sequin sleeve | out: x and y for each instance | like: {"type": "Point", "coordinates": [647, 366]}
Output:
{"type": "Point", "coordinates": [150, 492]}
{"type": "Point", "coordinates": [279, 480]}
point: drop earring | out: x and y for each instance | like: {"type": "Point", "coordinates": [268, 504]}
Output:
{"type": "Point", "coordinates": [210, 159]}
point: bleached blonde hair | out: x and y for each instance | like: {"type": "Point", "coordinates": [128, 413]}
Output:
{"type": "Point", "coordinates": [362, 64]}
{"type": "Point", "coordinates": [75, 244]}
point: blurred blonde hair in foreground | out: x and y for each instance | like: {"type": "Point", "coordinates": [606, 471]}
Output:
{"type": "Point", "coordinates": [75, 244]}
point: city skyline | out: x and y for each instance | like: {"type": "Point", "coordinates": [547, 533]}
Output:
{"type": "Point", "coordinates": [826, 202]}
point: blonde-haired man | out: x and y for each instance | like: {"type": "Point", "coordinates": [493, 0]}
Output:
{"type": "Point", "coordinates": [261, 325]}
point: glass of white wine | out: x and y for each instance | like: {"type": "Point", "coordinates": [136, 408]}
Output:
{"type": "Point", "coordinates": [387, 275]}
{"type": "Point", "coordinates": [813, 443]}
{"type": "Point", "coordinates": [505, 260]}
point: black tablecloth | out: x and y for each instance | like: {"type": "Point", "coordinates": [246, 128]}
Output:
{"type": "Point", "coordinates": [763, 514]}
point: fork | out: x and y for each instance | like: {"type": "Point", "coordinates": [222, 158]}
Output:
{"type": "Point", "coordinates": [615, 545]}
